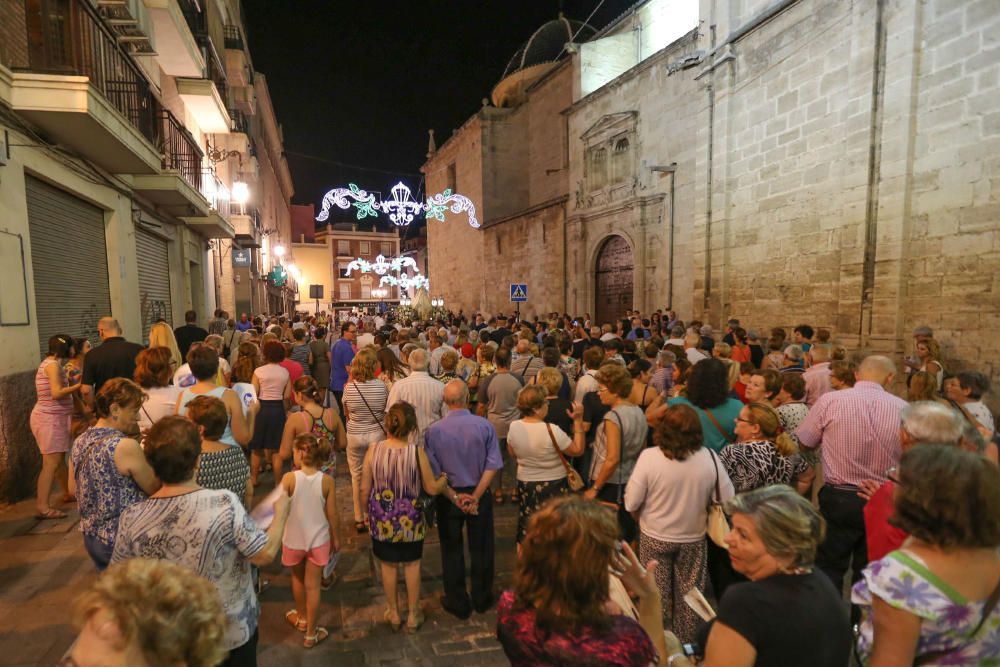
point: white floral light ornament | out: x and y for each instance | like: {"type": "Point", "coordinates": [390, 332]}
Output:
{"type": "Point", "coordinates": [402, 209]}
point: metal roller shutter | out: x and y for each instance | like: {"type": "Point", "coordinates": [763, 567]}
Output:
{"type": "Point", "coordinates": [69, 261]}
{"type": "Point", "coordinates": [154, 279]}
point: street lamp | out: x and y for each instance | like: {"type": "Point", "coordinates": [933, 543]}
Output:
{"type": "Point", "coordinates": [437, 302]}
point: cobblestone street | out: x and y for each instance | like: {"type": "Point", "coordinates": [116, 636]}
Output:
{"type": "Point", "coordinates": [43, 566]}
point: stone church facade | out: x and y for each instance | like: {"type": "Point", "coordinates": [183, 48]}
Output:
{"type": "Point", "coordinates": [776, 161]}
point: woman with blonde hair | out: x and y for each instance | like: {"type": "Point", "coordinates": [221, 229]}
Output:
{"type": "Point", "coordinates": [364, 401]}
{"type": "Point", "coordinates": [149, 612]}
{"type": "Point", "coordinates": [161, 335]}
{"type": "Point", "coordinates": [929, 354]}
{"type": "Point", "coordinates": [763, 454]}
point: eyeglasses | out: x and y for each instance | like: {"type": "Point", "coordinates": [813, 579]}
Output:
{"type": "Point", "coordinates": [745, 421]}
{"type": "Point", "coordinates": [892, 474]}
{"type": "Point", "coordinates": [601, 389]}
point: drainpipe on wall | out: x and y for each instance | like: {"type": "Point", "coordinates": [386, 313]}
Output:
{"type": "Point", "coordinates": [672, 170]}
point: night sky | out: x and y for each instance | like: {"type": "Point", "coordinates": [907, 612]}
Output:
{"type": "Point", "coordinates": [360, 83]}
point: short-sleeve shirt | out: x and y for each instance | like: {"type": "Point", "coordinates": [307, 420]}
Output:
{"type": "Point", "coordinates": [114, 358]}
{"type": "Point", "coordinates": [499, 392]}
{"type": "Point", "coordinates": [752, 465]}
{"type": "Point", "coordinates": [791, 620]}
{"type": "Point", "coordinates": [537, 460]}
{"type": "Point", "coordinates": [365, 403]}
{"type": "Point", "coordinates": [341, 356]}
{"type": "Point", "coordinates": [725, 414]}
{"type": "Point", "coordinates": [622, 644]}
{"type": "Point", "coordinates": [210, 533]}
{"type": "Point", "coordinates": [272, 379]}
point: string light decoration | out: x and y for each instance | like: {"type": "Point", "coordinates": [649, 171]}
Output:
{"type": "Point", "coordinates": [406, 282]}
{"type": "Point", "coordinates": [402, 209]}
{"type": "Point", "coordinates": [381, 266]}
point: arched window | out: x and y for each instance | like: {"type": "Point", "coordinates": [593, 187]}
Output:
{"type": "Point", "coordinates": [620, 161]}
{"type": "Point", "coordinates": [597, 168]}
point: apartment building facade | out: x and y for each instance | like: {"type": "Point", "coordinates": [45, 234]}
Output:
{"type": "Point", "coordinates": [140, 154]}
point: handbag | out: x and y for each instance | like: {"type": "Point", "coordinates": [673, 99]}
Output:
{"type": "Point", "coordinates": [718, 525]}
{"type": "Point", "coordinates": [573, 478]}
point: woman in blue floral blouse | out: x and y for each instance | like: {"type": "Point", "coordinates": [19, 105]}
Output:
{"type": "Point", "coordinates": [395, 469]}
{"type": "Point", "coordinates": [934, 601]}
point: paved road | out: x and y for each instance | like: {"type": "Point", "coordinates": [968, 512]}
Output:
{"type": "Point", "coordinates": [43, 566]}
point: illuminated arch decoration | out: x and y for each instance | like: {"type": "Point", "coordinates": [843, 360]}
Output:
{"type": "Point", "coordinates": [406, 282]}
{"type": "Point", "coordinates": [401, 208]}
{"type": "Point", "coordinates": [381, 265]}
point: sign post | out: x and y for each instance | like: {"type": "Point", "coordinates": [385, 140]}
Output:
{"type": "Point", "coordinates": [518, 294]}
{"type": "Point", "coordinates": [316, 292]}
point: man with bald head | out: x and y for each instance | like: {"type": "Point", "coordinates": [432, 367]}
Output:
{"type": "Point", "coordinates": [858, 432]}
{"type": "Point", "coordinates": [525, 364]}
{"type": "Point", "coordinates": [113, 358]}
{"type": "Point", "coordinates": [465, 447]}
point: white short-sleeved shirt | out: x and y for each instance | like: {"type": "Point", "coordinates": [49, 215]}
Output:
{"type": "Point", "coordinates": [672, 497]}
{"type": "Point", "coordinates": [272, 379]}
{"type": "Point", "coordinates": [537, 460]}
{"type": "Point", "coordinates": [162, 402]}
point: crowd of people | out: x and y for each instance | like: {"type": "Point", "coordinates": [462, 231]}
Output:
{"type": "Point", "coordinates": [682, 496]}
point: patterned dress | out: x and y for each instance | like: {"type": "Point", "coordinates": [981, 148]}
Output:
{"type": "Point", "coordinates": [103, 493]}
{"type": "Point", "coordinates": [224, 470]}
{"type": "Point", "coordinates": [947, 619]}
{"type": "Point", "coordinates": [622, 644]}
{"type": "Point", "coordinates": [755, 464]}
{"type": "Point", "coordinates": [396, 525]}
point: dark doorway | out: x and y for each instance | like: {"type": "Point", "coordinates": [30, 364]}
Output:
{"type": "Point", "coordinates": [613, 276]}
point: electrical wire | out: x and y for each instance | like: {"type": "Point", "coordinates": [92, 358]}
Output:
{"type": "Point", "coordinates": [346, 165]}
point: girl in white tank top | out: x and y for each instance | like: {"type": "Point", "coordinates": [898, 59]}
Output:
{"type": "Point", "coordinates": [310, 533]}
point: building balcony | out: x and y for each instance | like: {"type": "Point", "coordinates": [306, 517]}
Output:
{"type": "Point", "coordinates": [248, 229]}
{"type": "Point", "coordinates": [82, 89]}
{"type": "Point", "coordinates": [213, 224]}
{"type": "Point", "coordinates": [203, 99]}
{"type": "Point", "coordinates": [177, 26]}
{"type": "Point", "coordinates": [178, 188]}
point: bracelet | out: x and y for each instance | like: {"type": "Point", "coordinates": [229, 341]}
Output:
{"type": "Point", "coordinates": [670, 660]}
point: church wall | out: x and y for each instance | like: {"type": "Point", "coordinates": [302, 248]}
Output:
{"type": "Point", "coordinates": [454, 249]}
{"type": "Point", "coordinates": [951, 267]}
{"type": "Point", "coordinates": [854, 178]}
{"type": "Point", "coordinates": [547, 136]}
{"type": "Point", "coordinates": [527, 249]}
{"type": "Point", "coordinates": [663, 132]}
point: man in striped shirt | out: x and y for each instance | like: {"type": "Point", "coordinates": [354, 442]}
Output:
{"type": "Point", "coordinates": [423, 392]}
{"type": "Point", "coordinates": [858, 430]}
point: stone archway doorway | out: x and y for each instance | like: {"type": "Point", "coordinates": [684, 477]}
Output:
{"type": "Point", "coordinates": [613, 276]}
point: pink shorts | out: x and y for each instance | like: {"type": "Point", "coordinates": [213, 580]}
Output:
{"type": "Point", "coordinates": [318, 556]}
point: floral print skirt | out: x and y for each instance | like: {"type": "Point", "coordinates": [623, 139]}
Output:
{"type": "Point", "coordinates": [533, 496]}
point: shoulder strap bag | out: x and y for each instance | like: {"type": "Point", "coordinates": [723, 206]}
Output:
{"type": "Point", "coordinates": [725, 434]}
{"type": "Point", "coordinates": [572, 476]}
{"type": "Point", "coordinates": [718, 524]}
{"type": "Point", "coordinates": [374, 416]}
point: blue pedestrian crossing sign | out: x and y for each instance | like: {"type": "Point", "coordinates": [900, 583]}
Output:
{"type": "Point", "coordinates": [518, 292]}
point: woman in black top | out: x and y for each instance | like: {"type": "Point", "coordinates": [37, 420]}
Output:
{"type": "Point", "coordinates": [788, 614]}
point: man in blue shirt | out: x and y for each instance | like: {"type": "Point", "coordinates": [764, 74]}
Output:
{"type": "Point", "coordinates": [341, 356]}
{"type": "Point", "coordinates": [465, 447]}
